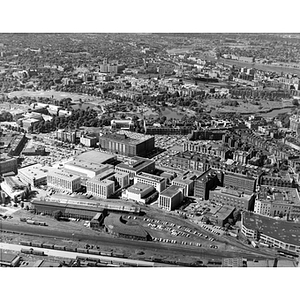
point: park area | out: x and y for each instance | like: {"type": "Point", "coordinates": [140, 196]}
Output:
{"type": "Point", "coordinates": [247, 107]}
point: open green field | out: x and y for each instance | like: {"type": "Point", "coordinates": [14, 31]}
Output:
{"type": "Point", "coordinates": [245, 107]}
{"type": "Point", "coordinates": [54, 94]}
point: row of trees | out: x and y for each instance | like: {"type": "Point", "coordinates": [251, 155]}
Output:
{"type": "Point", "coordinates": [79, 118]}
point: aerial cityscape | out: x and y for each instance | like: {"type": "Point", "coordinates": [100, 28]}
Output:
{"type": "Point", "coordinates": [149, 150]}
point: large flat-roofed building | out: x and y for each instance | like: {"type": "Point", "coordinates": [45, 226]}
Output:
{"type": "Point", "coordinates": [277, 233]}
{"type": "Point", "coordinates": [35, 175]}
{"type": "Point", "coordinates": [86, 169]}
{"type": "Point", "coordinates": [140, 192]}
{"type": "Point", "coordinates": [100, 188]}
{"type": "Point", "coordinates": [170, 198]}
{"type": "Point", "coordinates": [7, 164]}
{"type": "Point", "coordinates": [136, 165]}
{"type": "Point", "coordinates": [127, 143]}
{"type": "Point", "coordinates": [62, 180]}
{"type": "Point", "coordinates": [96, 157]}
{"type": "Point", "coordinates": [235, 198]}
{"type": "Point", "coordinates": [159, 183]}
{"type": "Point", "coordinates": [242, 182]}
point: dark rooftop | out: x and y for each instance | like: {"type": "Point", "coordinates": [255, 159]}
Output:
{"type": "Point", "coordinates": [287, 232]}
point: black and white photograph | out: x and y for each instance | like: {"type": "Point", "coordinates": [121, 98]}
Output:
{"type": "Point", "coordinates": [165, 146]}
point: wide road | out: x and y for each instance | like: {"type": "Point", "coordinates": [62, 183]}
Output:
{"type": "Point", "coordinates": [162, 249]}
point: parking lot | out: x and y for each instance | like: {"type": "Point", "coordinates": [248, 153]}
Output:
{"type": "Point", "coordinates": [163, 231]}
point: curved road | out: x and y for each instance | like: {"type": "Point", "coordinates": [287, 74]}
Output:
{"type": "Point", "coordinates": [165, 249]}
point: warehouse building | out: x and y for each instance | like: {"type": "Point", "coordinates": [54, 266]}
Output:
{"type": "Point", "coordinates": [170, 198]}
{"type": "Point", "coordinates": [127, 143]}
{"type": "Point", "coordinates": [69, 210]}
{"type": "Point", "coordinates": [82, 208]}
{"type": "Point", "coordinates": [61, 180]}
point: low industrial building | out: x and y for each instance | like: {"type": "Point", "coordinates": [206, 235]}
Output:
{"type": "Point", "coordinates": [8, 164]}
{"type": "Point", "coordinates": [97, 220]}
{"type": "Point", "coordinates": [9, 259]}
{"type": "Point", "coordinates": [171, 198]}
{"type": "Point", "coordinates": [34, 151]}
{"type": "Point", "coordinates": [35, 175]}
{"type": "Point", "coordinates": [274, 232]}
{"type": "Point", "coordinates": [221, 215]}
{"type": "Point", "coordinates": [84, 205]}
{"type": "Point", "coordinates": [68, 209]}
